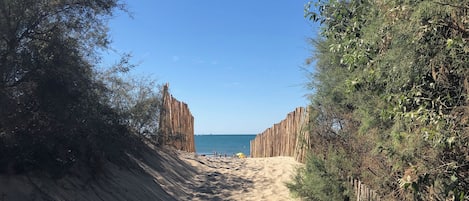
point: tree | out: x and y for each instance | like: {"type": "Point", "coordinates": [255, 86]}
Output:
{"type": "Point", "coordinates": [136, 99]}
{"type": "Point", "coordinates": [398, 69]}
{"type": "Point", "coordinates": [52, 115]}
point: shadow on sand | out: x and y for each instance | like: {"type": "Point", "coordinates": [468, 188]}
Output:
{"type": "Point", "coordinates": [185, 182]}
{"type": "Point", "coordinates": [157, 174]}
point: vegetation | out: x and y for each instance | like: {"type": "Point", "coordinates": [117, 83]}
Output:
{"type": "Point", "coordinates": [58, 113]}
{"type": "Point", "coordinates": [390, 99]}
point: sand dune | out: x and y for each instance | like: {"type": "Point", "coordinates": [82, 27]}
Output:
{"type": "Point", "coordinates": [164, 174]}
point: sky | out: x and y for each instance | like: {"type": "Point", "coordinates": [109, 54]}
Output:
{"type": "Point", "coordinates": [237, 64]}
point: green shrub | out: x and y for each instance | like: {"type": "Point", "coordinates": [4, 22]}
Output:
{"type": "Point", "coordinates": [319, 180]}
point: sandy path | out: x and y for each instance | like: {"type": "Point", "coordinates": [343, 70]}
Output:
{"type": "Point", "coordinates": [241, 179]}
{"type": "Point", "coordinates": [166, 175]}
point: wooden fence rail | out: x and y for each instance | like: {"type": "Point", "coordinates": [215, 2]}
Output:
{"type": "Point", "coordinates": [176, 126]}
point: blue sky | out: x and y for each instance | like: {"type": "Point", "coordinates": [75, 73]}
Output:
{"type": "Point", "coordinates": [237, 64]}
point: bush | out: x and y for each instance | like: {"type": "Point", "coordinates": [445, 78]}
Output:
{"type": "Point", "coordinates": [319, 180]}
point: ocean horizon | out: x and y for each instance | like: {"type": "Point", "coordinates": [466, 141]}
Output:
{"type": "Point", "coordinates": [223, 144]}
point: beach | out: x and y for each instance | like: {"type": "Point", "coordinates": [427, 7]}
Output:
{"type": "Point", "coordinates": [227, 178]}
{"type": "Point", "coordinates": [164, 174]}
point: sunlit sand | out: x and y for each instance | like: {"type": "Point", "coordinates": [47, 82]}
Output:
{"type": "Point", "coordinates": [241, 179]}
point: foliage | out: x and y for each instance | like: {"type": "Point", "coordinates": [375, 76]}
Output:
{"type": "Point", "coordinates": [321, 180]}
{"type": "Point", "coordinates": [134, 98]}
{"type": "Point", "coordinates": [56, 113]}
{"type": "Point", "coordinates": [396, 73]}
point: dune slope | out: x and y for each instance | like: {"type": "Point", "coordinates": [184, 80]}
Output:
{"type": "Point", "coordinates": [163, 174]}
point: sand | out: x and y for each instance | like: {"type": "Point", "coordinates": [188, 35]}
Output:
{"type": "Point", "coordinates": [166, 175]}
{"type": "Point", "coordinates": [242, 179]}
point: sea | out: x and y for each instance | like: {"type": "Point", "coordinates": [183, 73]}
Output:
{"type": "Point", "coordinates": [223, 144]}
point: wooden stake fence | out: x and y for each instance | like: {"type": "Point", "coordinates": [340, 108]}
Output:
{"type": "Point", "coordinates": [287, 138]}
{"type": "Point", "coordinates": [363, 192]}
{"type": "Point", "coordinates": [290, 137]}
{"type": "Point", "coordinates": [176, 123]}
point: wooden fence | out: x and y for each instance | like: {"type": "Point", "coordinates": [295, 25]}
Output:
{"type": "Point", "coordinates": [287, 138]}
{"type": "Point", "coordinates": [176, 123]}
{"type": "Point", "coordinates": [290, 137]}
{"type": "Point", "coordinates": [363, 192]}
